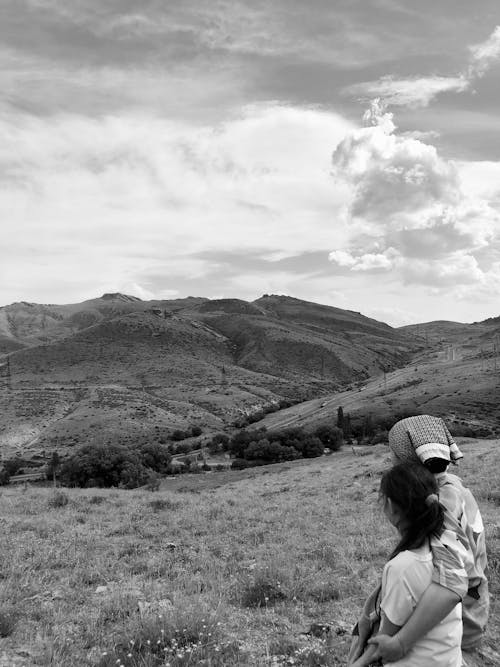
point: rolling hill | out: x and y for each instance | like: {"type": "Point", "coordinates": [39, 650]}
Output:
{"type": "Point", "coordinates": [118, 367]}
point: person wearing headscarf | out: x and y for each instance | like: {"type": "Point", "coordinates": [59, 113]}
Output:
{"type": "Point", "coordinates": [426, 440]}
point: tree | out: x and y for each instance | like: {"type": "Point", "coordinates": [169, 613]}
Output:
{"type": "Point", "coordinates": [12, 466]}
{"type": "Point", "coordinates": [104, 466]}
{"type": "Point", "coordinates": [53, 467]}
{"type": "Point", "coordinates": [340, 417]}
{"type": "Point", "coordinates": [368, 426]}
{"type": "Point", "coordinates": [155, 456]}
{"type": "Point", "coordinates": [312, 447]}
{"type": "Point", "coordinates": [347, 427]}
{"type": "Point", "coordinates": [178, 434]}
{"type": "Point", "coordinates": [330, 436]}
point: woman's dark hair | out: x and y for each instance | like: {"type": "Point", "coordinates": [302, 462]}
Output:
{"type": "Point", "coordinates": [409, 486]}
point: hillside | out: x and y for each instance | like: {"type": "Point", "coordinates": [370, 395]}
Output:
{"type": "Point", "coordinates": [454, 376]}
{"type": "Point", "coordinates": [121, 368]}
{"type": "Point", "coordinates": [239, 568]}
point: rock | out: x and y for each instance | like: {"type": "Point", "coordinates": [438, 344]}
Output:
{"type": "Point", "coordinates": [100, 590]}
{"type": "Point", "coordinates": [319, 630]}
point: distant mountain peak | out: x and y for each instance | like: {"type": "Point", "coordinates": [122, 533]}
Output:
{"type": "Point", "coordinates": [117, 296]}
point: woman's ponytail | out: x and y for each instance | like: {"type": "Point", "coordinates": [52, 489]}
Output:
{"type": "Point", "coordinates": [414, 490]}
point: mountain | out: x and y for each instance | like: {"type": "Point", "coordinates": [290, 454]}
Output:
{"type": "Point", "coordinates": [118, 367]}
{"type": "Point", "coordinates": [455, 375]}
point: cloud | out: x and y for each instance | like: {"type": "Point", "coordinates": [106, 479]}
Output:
{"type": "Point", "coordinates": [412, 92]}
{"type": "Point", "coordinates": [419, 91]}
{"type": "Point", "coordinates": [484, 55]}
{"type": "Point", "coordinates": [408, 212]}
{"type": "Point", "coordinates": [111, 200]}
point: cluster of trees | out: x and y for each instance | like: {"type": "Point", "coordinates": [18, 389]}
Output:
{"type": "Point", "coordinates": [259, 446]}
{"type": "Point", "coordinates": [10, 468]}
{"type": "Point", "coordinates": [115, 465]}
{"type": "Point", "coordinates": [179, 434]}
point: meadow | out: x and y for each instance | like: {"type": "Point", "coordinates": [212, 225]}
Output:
{"type": "Point", "coordinates": [265, 566]}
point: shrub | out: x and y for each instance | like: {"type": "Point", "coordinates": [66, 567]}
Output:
{"type": "Point", "coordinates": [183, 448]}
{"type": "Point", "coordinates": [12, 466]}
{"type": "Point", "coordinates": [7, 622]}
{"type": "Point", "coordinates": [380, 436]}
{"type": "Point", "coordinates": [178, 435]}
{"type": "Point", "coordinates": [58, 499]}
{"type": "Point", "coordinates": [154, 480]}
{"type": "Point", "coordinates": [241, 464]}
{"type": "Point", "coordinates": [262, 591]}
{"type": "Point", "coordinates": [4, 477]}
{"type": "Point", "coordinates": [196, 431]}
{"type": "Point", "coordinates": [192, 637]}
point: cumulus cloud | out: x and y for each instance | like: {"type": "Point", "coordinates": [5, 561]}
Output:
{"type": "Point", "coordinates": [408, 212]}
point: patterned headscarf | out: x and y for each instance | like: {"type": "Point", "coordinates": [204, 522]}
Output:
{"type": "Point", "coordinates": [421, 438]}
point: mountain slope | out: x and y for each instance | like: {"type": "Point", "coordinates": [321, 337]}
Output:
{"type": "Point", "coordinates": [188, 361]}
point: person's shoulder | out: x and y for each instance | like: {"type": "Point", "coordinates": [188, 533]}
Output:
{"type": "Point", "coordinates": [406, 559]}
{"type": "Point", "coordinates": [452, 486]}
{"type": "Point", "coordinates": [454, 480]}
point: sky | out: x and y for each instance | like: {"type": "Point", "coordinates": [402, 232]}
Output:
{"type": "Point", "coordinates": [336, 151]}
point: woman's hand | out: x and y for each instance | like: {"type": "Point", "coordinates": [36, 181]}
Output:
{"type": "Point", "coordinates": [388, 648]}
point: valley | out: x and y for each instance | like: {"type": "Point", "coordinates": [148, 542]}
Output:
{"type": "Point", "coordinates": [118, 369]}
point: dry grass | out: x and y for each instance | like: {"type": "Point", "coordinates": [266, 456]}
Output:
{"type": "Point", "coordinates": [233, 574]}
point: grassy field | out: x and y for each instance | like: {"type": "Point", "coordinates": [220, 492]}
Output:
{"type": "Point", "coordinates": [218, 569]}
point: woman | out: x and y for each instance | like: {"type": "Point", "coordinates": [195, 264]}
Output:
{"type": "Point", "coordinates": [425, 440]}
{"type": "Point", "coordinates": [410, 501]}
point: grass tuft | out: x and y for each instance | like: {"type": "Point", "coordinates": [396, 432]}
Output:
{"type": "Point", "coordinates": [57, 499]}
{"type": "Point", "coordinates": [8, 619]}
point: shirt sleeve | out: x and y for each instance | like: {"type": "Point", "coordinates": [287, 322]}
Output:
{"type": "Point", "coordinates": [397, 600]}
{"type": "Point", "coordinates": [450, 560]}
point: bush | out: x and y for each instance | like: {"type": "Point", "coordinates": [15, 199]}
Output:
{"type": "Point", "coordinates": [241, 464]}
{"type": "Point", "coordinates": [13, 466]}
{"type": "Point", "coordinates": [218, 443]}
{"type": "Point", "coordinates": [7, 622]}
{"type": "Point", "coordinates": [4, 477]}
{"type": "Point", "coordinates": [178, 435]}
{"type": "Point", "coordinates": [183, 448]}
{"type": "Point", "coordinates": [180, 638]}
{"type": "Point", "coordinates": [264, 590]}
{"type": "Point", "coordinates": [58, 499]}
{"type": "Point", "coordinates": [330, 436]}
{"type": "Point", "coordinates": [196, 431]}
{"type": "Point", "coordinates": [155, 456]}
{"type": "Point", "coordinates": [380, 436]}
